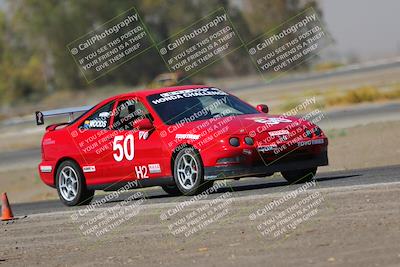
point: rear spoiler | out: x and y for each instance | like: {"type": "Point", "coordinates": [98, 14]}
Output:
{"type": "Point", "coordinates": [40, 115]}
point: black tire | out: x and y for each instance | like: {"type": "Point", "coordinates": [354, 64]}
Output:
{"type": "Point", "coordinates": [172, 190]}
{"type": "Point", "coordinates": [198, 185]}
{"type": "Point", "coordinates": [83, 196]}
{"type": "Point", "coordinates": [300, 176]}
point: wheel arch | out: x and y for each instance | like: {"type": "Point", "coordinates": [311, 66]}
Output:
{"type": "Point", "coordinates": [61, 160]}
{"type": "Point", "coordinates": [177, 149]}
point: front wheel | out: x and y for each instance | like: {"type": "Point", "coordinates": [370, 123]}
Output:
{"type": "Point", "coordinates": [188, 173]}
{"type": "Point", "coordinates": [299, 176]}
{"type": "Point", "coordinates": [71, 186]}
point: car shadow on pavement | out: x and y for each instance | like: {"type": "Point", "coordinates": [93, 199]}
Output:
{"type": "Point", "coordinates": [322, 179]}
{"type": "Point", "coordinates": [268, 184]}
{"type": "Point", "coordinates": [159, 194]}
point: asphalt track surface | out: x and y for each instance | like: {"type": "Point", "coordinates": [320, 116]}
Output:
{"type": "Point", "coordinates": [245, 187]}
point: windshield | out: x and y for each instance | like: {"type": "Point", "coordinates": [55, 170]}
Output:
{"type": "Point", "coordinates": [197, 104]}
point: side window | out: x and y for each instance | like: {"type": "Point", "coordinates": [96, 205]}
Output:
{"type": "Point", "coordinates": [142, 111]}
{"type": "Point", "coordinates": [127, 112]}
{"type": "Point", "coordinates": [100, 119]}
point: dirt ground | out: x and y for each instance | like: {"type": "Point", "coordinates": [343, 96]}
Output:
{"type": "Point", "coordinates": [366, 146]}
{"type": "Point", "coordinates": [353, 226]}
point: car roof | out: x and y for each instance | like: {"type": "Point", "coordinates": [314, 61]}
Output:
{"type": "Point", "coordinates": [146, 92]}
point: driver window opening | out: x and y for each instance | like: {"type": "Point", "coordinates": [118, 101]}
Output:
{"type": "Point", "coordinates": [127, 112]}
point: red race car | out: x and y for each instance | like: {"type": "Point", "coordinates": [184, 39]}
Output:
{"type": "Point", "coordinates": [180, 138]}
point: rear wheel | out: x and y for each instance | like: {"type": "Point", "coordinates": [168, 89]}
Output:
{"type": "Point", "coordinates": [299, 176]}
{"type": "Point", "coordinates": [71, 186]}
{"type": "Point", "coordinates": [188, 173]}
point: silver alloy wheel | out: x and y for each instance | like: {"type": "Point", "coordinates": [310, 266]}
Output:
{"type": "Point", "coordinates": [187, 171]}
{"type": "Point", "coordinates": [68, 183]}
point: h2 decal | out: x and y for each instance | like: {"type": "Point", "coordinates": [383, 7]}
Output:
{"type": "Point", "coordinates": [125, 149]}
{"type": "Point", "coordinates": [141, 172]}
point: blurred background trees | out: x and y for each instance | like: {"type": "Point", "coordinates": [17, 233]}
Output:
{"type": "Point", "coordinates": [34, 60]}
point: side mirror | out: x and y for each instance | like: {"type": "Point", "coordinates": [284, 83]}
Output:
{"type": "Point", "coordinates": [143, 124]}
{"type": "Point", "coordinates": [263, 108]}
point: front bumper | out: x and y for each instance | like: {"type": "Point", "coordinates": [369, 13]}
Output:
{"type": "Point", "coordinates": [265, 168]}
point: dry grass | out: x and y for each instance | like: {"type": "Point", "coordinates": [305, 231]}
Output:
{"type": "Point", "coordinates": [289, 103]}
{"type": "Point", "coordinates": [361, 95]}
{"type": "Point", "coordinates": [326, 66]}
{"type": "Point", "coordinates": [337, 97]}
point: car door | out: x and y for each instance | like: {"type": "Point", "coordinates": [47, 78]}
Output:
{"type": "Point", "coordinates": [92, 138]}
{"type": "Point", "coordinates": [137, 154]}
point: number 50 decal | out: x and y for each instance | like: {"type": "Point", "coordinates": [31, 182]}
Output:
{"type": "Point", "coordinates": [127, 149]}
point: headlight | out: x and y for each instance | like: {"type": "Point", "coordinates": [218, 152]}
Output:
{"type": "Point", "coordinates": [248, 140]}
{"type": "Point", "coordinates": [234, 141]}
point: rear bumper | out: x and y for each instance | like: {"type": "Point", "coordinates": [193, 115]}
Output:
{"type": "Point", "coordinates": [265, 169]}
{"type": "Point", "coordinates": [46, 172]}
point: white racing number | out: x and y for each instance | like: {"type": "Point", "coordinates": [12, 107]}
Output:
{"type": "Point", "coordinates": [127, 148]}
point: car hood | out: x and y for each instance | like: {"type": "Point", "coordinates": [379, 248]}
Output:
{"type": "Point", "coordinates": [249, 124]}
{"type": "Point", "coordinates": [263, 122]}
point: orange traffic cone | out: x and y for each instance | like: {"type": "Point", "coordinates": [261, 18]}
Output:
{"type": "Point", "coordinates": [6, 212]}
